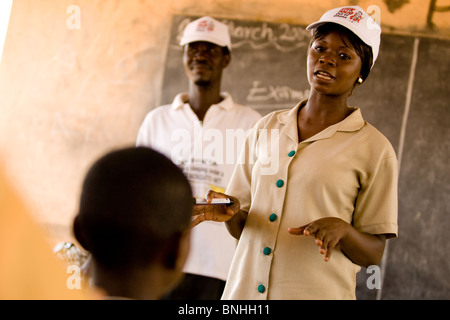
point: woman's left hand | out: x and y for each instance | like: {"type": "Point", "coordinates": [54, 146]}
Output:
{"type": "Point", "coordinates": [326, 231]}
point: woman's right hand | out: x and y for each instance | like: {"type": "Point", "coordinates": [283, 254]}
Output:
{"type": "Point", "coordinates": [215, 212]}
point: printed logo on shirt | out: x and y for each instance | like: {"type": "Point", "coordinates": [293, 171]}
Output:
{"type": "Point", "coordinates": [212, 147]}
{"type": "Point", "coordinates": [207, 145]}
{"type": "Point", "coordinates": [203, 176]}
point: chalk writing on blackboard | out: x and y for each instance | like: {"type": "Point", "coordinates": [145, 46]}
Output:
{"type": "Point", "coordinates": [284, 37]}
{"type": "Point", "coordinates": [258, 93]}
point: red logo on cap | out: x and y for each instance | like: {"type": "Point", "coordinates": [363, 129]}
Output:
{"type": "Point", "coordinates": [203, 25]}
{"type": "Point", "coordinates": [350, 14]}
{"type": "Point", "coordinates": [356, 17]}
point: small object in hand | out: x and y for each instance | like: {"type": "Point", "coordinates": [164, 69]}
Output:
{"type": "Point", "coordinates": [225, 201]}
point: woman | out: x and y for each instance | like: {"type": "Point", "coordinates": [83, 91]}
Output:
{"type": "Point", "coordinates": [334, 192]}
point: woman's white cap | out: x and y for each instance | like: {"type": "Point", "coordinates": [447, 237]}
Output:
{"type": "Point", "coordinates": [207, 29]}
{"type": "Point", "coordinates": [356, 20]}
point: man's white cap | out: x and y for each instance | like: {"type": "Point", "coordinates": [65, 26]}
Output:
{"type": "Point", "coordinates": [207, 29]}
{"type": "Point", "coordinates": [356, 20]}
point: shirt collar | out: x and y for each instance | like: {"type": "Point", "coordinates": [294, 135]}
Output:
{"type": "Point", "coordinates": [183, 98]}
{"type": "Point", "coordinates": [353, 122]}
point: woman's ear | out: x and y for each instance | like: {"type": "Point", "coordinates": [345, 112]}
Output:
{"type": "Point", "coordinates": [358, 82]}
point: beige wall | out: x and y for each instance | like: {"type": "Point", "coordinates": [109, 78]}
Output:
{"type": "Point", "coordinates": [69, 95]}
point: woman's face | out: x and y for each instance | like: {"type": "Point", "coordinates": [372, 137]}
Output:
{"type": "Point", "coordinates": [333, 65]}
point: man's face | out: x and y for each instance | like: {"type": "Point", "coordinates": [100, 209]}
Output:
{"type": "Point", "coordinates": [204, 62]}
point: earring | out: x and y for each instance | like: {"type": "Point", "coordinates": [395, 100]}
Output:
{"type": "Point", "coordinates": [360, 80]}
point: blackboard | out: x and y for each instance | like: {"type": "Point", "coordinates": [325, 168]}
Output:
{"type": "Point", "coordinates": [268, 72]}
{"type": "Point", "coordinates": [277, 49]}
{"type": "Point", "coordinates": [419, 264]}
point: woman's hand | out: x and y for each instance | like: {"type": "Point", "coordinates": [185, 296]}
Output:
{"type": "Point", "coordinates": [215, 212]}
{"type": "Point", "coordinates": [362, 248]}
{"type": "Point", "coordinates": [326, 231]}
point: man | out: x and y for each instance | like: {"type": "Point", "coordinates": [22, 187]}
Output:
{"type": "Point", "coordinates": [203, 132]}
{"type": "Point", "coordinates": [134, 219]}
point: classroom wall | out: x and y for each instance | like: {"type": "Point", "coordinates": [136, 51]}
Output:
{"type": "Point", "coordinates": [78, 77]}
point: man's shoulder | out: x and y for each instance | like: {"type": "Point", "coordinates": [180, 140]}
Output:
{"type": "Point", "coordinates": [247, 111]}
{"type": "Point", "coordinates": [170, 108]}
{"type": "Point", "coordinates": [163, 111]}
{"type": "Point", "coordinates": [166, 108]}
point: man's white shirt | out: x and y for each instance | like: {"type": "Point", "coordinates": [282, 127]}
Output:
{"type": "Point", "coordinates": [207, 152]}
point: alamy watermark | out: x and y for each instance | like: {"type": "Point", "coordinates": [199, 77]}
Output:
{"type": "Point", "coordinates": [374, 280]}
{"type": "Point", "coordinates": [225, 147]}
{"type": "Point", "coordinates": [74, 281]}
{"type": "Point", "coordinates": [375, 12]}
{"type": "Point", "coordinates": [74, 19]}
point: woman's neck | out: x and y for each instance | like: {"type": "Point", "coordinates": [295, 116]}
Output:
{"type": "Point", "coordinates": [325, 109]}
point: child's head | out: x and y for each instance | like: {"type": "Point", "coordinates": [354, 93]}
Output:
{"type": "Point", "coordinates": [135, 209]}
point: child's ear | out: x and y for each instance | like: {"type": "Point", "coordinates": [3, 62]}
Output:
{"type": "Point", "coordinates": [177, 250]}
{"type": "Point", "coordinates": [183, 248]}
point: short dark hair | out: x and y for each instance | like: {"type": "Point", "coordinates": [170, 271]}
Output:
{"type": "Point", "coordinates": [363, 50]}
{"type": "Point", "coordinates": [133, 202]}
{"type": "Point", "coordinates": [226, 51]}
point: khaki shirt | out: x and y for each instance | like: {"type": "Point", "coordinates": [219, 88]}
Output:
{"type": "Point", "coordinates": [348, 170]}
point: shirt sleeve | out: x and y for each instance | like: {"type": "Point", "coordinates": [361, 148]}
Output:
{"type": "Point", "coordinates": [143, 137]}
{"type": "Point", "coordinates": [376, 207]}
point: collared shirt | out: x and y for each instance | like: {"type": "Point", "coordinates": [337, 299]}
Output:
{"type": "Point", "coordinates": [207, 152]}
{"type": "Point", "coordinates": [348, 170]}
